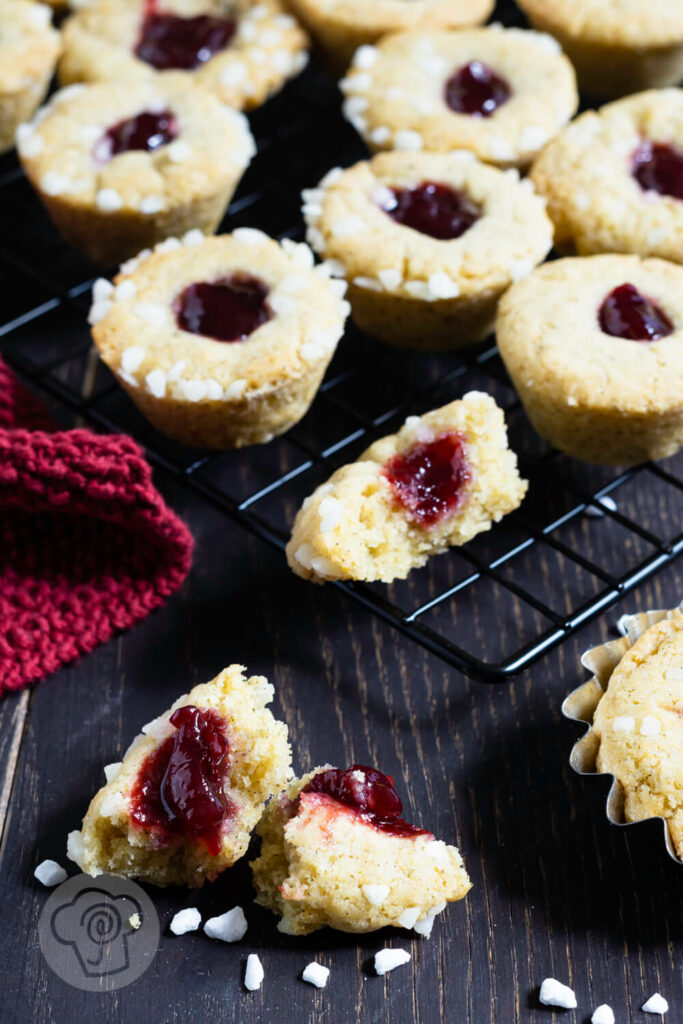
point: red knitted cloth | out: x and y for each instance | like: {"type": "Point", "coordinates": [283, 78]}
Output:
{"type": "Point", "coordinates": [87, 545]}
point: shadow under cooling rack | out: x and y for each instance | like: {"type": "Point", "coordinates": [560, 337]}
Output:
{"type": "Point", "coordinates": [489, 608]}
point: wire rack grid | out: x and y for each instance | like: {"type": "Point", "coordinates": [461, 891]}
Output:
{"type": "Point", "coordinates": [490, 608]}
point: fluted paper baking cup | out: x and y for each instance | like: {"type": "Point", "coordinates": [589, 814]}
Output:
{"type": "Point", "coordinates": [581, 704]}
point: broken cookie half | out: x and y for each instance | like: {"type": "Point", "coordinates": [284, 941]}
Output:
{"type": "Point", "coordinates": [181, 806]}
{"type": "Point", "coordinates": [442, 479]}
{"type": "Point", "coordinates": [335, 851]}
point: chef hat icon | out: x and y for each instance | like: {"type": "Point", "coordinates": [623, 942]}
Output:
{"type": "Point", "coordinates": [95, 925]}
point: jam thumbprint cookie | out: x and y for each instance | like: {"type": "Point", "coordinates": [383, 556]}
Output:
{"type": "Point", "coordinates": [335, 851]}
{"type": "Point", "coordinates": [500, 93]}
{"type": "Point", "coordinates": [594, 347]}
{"type": "Point", "coordinates": [339, 27]}
{"type": "Point", "coordinates": [619, 46]}
{"type": "Point", "coordinates": [241, 50]}
{"type": "Point", "coordinates": [29, 47]}
{"type": "Point", "coordinates": [220, 342]}
{"type": "Point", "coordinates": [638, 726]}
{"type": "Point", "coordinates": [428, 242]}
{"type": "Point", "coordinates": [121, 169]}
{"type": "Point", "coordinates": [614, 178]}
{"type": "Point", "coordinates": [181, 806]}
{"type": "Point", "coordinates": [442, 479]}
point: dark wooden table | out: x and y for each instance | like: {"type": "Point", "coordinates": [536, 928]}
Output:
{"type": "Point", "coordinates": [557, 890]}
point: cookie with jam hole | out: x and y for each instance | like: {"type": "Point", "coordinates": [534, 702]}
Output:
{"type": "Point", "coordinates": [614, 178]}
{"type": "Point", "coordinates": [242, 50]}
{"type": "Point", "coordinates": [29, 47]}
{"type": "Point", "coordinates": [499, 93]}
{"type": "Point", "coordinates": [119, 170]}
{"type": "Point", "coordinates": [340, 27]}
{"type": "Point", "coordinates": [220, 342]}
{"type": "Point", "coordinates": [616, 47]}
{"type": "Point", "coordinates": [181, 805]}
{"type": "Point", "coordinates": [428, 242]}
{"type": "Point", "coordinates": [336, 851]}
{"type": "Point", "coordinates": [594, 347]}
{"type": "Point", "coordinates": [442, 479]}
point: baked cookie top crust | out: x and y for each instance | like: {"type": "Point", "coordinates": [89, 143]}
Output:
{"type": "Point", "coordinates": [253, 47]}
{"type": "Point", "coordinates": [423, 90]}
{"type": "Point", "coordinates": [614, 178]}
{"type": "Point", "coordinates": [627, 23]}
{"type": "Point", "coordinates": [550, 335]}
{"type": "Point", "coordinates": [76, 145]}
{"type": "Point", "coordinates": [350, 224]}
{"type": "Point", "coordinates": [639, 723]}
{"type": "Point", "coordinates": [137, 329]}
{"type": "Point", "coordinates": [29, 45]}
{"type": "Point", "coordinates": [383, 16]}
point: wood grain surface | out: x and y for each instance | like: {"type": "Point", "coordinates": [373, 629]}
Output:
{"type": "Point", "coordinates": [557, 890]}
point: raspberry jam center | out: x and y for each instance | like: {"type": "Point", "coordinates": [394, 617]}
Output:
{"type": "Point", "coordinates": [169, 41]}
{"type": "Point", "coordinates": [476, 90]}
{"type": "Point", "coordinates": [433, 209]}
{"type": "Point", "coordinates": [658, 167]}
{"type": "Point", "coordinates": [225, 310]}
{"type": "Point", "coordinates": [626, 313]}
{"type": "Point", "coordinates": [147, 132]}
{"type": "Point", "coordinates": [179, 788]}
{"type": "Point", "coordinates": [429, 479]}
{"type": "Point", "coordinates": [368, 792]}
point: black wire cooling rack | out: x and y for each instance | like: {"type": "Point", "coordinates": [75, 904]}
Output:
{"type": "Point", "coordinates": [489, 608]}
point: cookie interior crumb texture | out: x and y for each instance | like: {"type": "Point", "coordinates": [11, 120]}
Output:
{"type": "Point", "coordinates": [111, 841]}
{"type": "Point", "coordinates": [321, 864]}
{"type": "Point", "coordinates": [638, 725]}
{"type": "Point", "coordinates": [353, 527]}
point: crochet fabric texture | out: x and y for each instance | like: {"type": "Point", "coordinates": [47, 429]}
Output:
{"type": "Point", "coordinates": [87, 544]}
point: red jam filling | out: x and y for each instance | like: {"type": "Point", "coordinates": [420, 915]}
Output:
{"type": "Point", "coordinates": [146, 132]}
{"type": "Point", "coordinates": [476, 90]}
{"type": "Point", "coordinates": [626, 313]}
{"type": "Point", "coordinates": [658, 167]}
{"type": "Point", "coordinates": [368, 792]}
{"type": "Point", "coordinates": [225, 310]}
{"type": "Point", "coordinates": [169, 41]}
{"type": "Point", "coordinates": [429, 479]}
{"type": "Point", "coordinates": [435, 210]}
{"type": "Point", "coordinates": [179, 788]}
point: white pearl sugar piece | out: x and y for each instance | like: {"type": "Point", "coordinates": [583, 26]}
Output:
{"type": "Point", "coordinates": [108, 200]}
{"type": "Point", "coordinates": [316, 974]}
{"type": "Point", "coordinates": [655, 1004]}
{"type": "Point", "coordinates": [387, 959]}
{"type": "Point", "coordinates": [603, 1015]}
{"type": "Point", "coordinates": [229, 927]}
{"type": "Point", "coordinates": [254, 973]}
{"type": "Point", "coordinates": [554, 993]}
{"type": "Point", "coordinates": [187, 920]}
{"type": "Point", "coordinates": [49, 872]}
